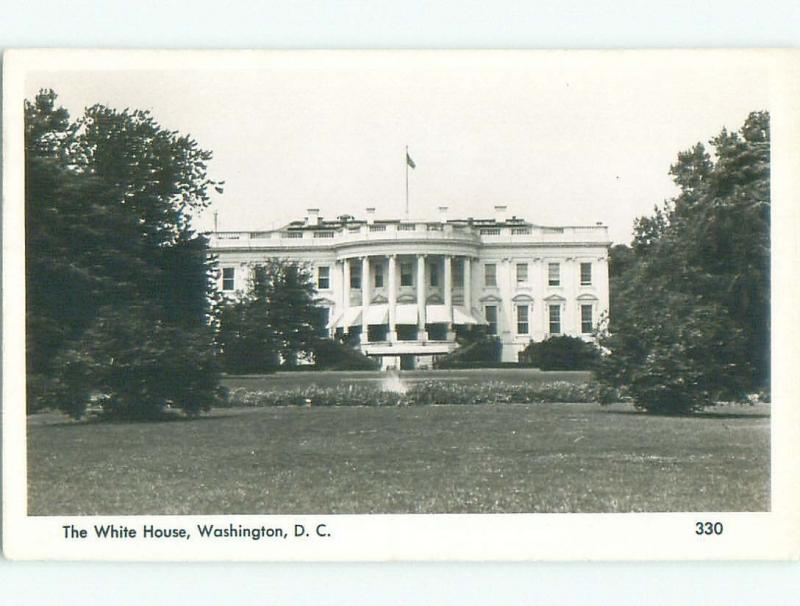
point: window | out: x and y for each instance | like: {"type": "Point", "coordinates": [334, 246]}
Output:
{"type": "Point", "coordinates": [522, 273]}
{"type": "Point", "coordinates": [324, 318]}
{"type": "Point", "coordinates": [378, 269]}
{"type": "Point", "coordinates": [355, 276]}
{"type": "Point", "coordinates": [522, 319]}
{"type": "Point", "coordinates": [323, 277]}
{"type": "Point", "coordinates": [490, 312]}
{"type": "Point", "coordinates": [490, 274]}
{"type": "Point", "coordinates": [406, 275]}
{"type": "Point", "coordinates": [458, 274]}
{"type": "Point", "coordinates": [228, 274]}
{"type": "Point", "coordinates": [586, 319]}
{"type": "Point", "coordinates": [555, 319]}
{"type": "Point", "coordinates": [553, 274]}
{"type": "Point", "coordinates": [434, 274]}
{"type": "Point", "coordinates": [586, 274]}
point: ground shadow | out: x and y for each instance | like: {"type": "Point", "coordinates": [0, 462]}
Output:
{"type": "Point", "coordinates": [696, 415]}
{"type": "Point", "coordinates": [160, 421]}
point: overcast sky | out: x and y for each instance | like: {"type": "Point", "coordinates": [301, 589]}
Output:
{"type": "Point", "coordinates": [561, 142]}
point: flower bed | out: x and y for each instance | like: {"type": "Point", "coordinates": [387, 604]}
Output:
{"type": "Point", "coordinates": [419, 394]}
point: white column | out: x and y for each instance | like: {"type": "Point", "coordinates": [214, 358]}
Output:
{"type": "Point", "coordinates": [509, 321]}
{"type": "Point", "coordinates": [448, 294]}
{"type": "Point", "coordinates": [421, 284]}
{"type": "Point", "coordinates": [537, 314]}
{"type": "Point", "coordinates": [468, 284]}
{"type": "Point", "coordinates": [569, 280]}
{"type": "Point", "coordinates": [364, 297]}
{"type": "Point", "coordinates": [345, 283]}
{"type": "Point", "coordinates": [600, 283]}
{"type": "Point", "coordinates": [392, 298]}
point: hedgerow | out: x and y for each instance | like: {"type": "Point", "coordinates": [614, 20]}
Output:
{"type": "Point", "coordinates": [419, 394]}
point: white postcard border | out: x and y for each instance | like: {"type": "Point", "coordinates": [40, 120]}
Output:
{"type": "Point", "coordinates": [648, 536]}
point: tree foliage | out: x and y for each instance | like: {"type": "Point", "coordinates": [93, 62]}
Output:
{"type": "Point", "coordinates": [275, 321]}
{"type": "Point", "coordinates": [331, 354]}
{"type": "Point", "coordinates": [113, 269]}
{"type": "Point", "coordinates": [690, 298]}
{"type": "Point", "coordinates": [560, 352]}
{"type": "Point", "coordinates": [482, 350]}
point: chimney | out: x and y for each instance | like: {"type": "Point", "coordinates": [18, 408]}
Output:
{"type": "Point", "coordinates": [500, 213]}
{"type": "Point", "coordinates": [370, 214]}
{"type": "Point", "coordinates": [443, 214]}
{"type": "Point", "coordinates": [312, 216]}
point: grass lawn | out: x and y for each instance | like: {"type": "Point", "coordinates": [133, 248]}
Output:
{"type": "Point", "coordinates": [433, 459]}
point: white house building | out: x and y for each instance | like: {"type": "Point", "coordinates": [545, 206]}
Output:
{"type": "Point", "coordinates": [406, 288]}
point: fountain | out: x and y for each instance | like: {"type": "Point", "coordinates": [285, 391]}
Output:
{"type": "Point", "coordinates": [393, 383]}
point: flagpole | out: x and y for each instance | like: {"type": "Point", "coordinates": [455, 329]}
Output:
{"type": "Point", "coordinates": [405, 161]}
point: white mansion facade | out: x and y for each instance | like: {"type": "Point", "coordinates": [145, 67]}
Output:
{"type": "Point", "coordinates": [406, 288]}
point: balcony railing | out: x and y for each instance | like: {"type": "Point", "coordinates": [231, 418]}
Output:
{"type": "Point", "coordinates": [411, 231]}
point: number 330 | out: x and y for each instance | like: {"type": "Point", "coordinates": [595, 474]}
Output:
{"type": "Point", "coordinates": [708, 528]}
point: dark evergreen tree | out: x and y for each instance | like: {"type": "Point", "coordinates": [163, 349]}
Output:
{"type": "Point", "coordinates": [275, 321]}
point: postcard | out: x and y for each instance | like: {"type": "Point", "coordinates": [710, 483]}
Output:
{"type": "Point", "coordinates": [400, 305]}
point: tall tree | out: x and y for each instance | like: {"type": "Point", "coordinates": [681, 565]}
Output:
{"type": "Point", "coordinates": [110, 251]}
{"type": "Point", "coordinates": [275, 320]}
{"type": "Point", "coordinates": [691, 320]}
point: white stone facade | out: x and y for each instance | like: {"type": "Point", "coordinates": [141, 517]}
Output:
{"type": "Point", "coordinates": [406, 288]}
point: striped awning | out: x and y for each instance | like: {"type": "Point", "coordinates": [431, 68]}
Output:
{"type": "Point", "coordinates": [460, 316]}
{"type": "Point", "coordinates": [437, 314]}
{"type": "Point", "coordinates": [406, 314]}
{"type": "Point", "coordinates": [351, 317]}
{"type": "Point", "coordinates": [377, 314]}
{"type": "Point", "coordinates": [334, 321]}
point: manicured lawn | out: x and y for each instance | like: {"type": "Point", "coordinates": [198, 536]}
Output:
{"type": "Point", "coordinates": [432, 459]}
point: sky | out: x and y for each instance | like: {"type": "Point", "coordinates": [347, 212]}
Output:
{"type": "Point", "coordinates": [560, 140]}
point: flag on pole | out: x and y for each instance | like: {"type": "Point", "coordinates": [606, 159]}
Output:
{"type": "Point", "coordinates": [409, 161]}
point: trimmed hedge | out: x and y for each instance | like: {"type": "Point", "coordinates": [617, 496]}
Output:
{"type": "Point", "coordinates": [561, 353]}
{"type": "Point", "coordinates": [419, 394]}
{"type": "Point", "coordinates": [481, 353]}
{"type": "Point", "coordinates": [334, 355]}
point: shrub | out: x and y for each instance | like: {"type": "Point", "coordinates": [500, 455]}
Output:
{"type": "Point", "coordinates": [484, 350]}
{"type": "Point", "coordinates": [561, 353]}
{"type": "Point", "coordinates": [419, 394]}
{"type": "Point", "coordinates": [334, 355]}
{"type": "Point", "coordinates": [663, 359]}
{"type": "Point", "coordinates": [135, 367]}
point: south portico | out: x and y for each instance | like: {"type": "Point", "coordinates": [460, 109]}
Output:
{"type": "Point", "coordinates": [405, 306]}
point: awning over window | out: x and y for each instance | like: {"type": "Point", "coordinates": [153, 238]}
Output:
{"type": "Point", "coordinates": [351, 317]}
{"type": "Point", "coordinates": [377, 314]}
{"type": "Point", "coordinates": [406, 314]}
{"type": "Point", "coordinates": [334, 322]}
{"type": "Point", "coordinates": [436, 314]}
{"type": "Point", "coordinates": [460, 316]}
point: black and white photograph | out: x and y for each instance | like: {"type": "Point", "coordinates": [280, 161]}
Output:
{"type": "Point", "coordinates": [256, 298]}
